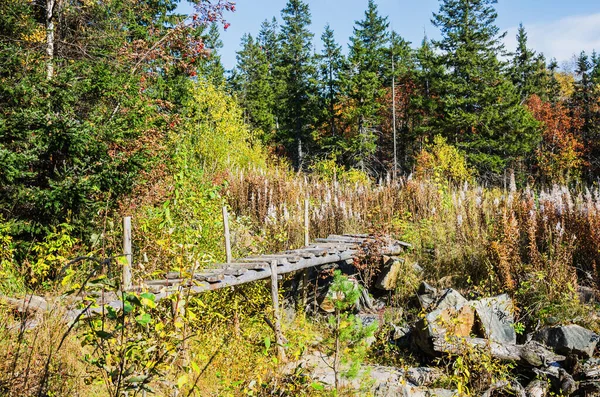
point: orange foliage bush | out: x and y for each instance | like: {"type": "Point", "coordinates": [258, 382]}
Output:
{"type": "Point", "coordinates": [560, 154]}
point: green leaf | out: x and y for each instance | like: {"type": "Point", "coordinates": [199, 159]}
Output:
{"type": "Point", "coordinates": [144, 319]}
{"type": "Point", "coordinates": [127, 307]}
{"type": "Point", "coordinates": [317, 386]}
{"type": "Point", "coordinates": [104, 335]}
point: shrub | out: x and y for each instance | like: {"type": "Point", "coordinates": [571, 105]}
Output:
{"type": "Point", "coordinates": [443, 163]}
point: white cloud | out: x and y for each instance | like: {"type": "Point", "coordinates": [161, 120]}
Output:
{"type": "Point", "coordinates": [561, 39]}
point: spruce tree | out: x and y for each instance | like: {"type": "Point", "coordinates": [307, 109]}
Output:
{"type": "Point", "coordinates": [364, 84]}
{"type": "Point", "coordinates": [425, 103]}
{"type": "Point", "coordinates": [296, 72]}
{"type": "Point", "coordinates": [252, 82]}
{"type": "Point", "coordinates": [269, 41]}
{"type": "Point", "coordinates": [585, 105]}
{"type": "Point", "coordinates": [527, 70]}
{"type": "Point", "coordinates": [211, 67]}
{"type": "Point", "coordinates": [331, 65]}
{"type": "Point", "coordinates": [482, 113]}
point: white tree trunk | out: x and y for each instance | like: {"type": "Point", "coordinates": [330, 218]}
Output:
{"type": "Point", "coordinates": [50, 38]}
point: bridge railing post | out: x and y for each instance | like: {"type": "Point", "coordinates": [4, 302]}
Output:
{"type": "Point", "coordinates": [276, 312]}
{"type": "Point", "coordinates": [306, 244]}
{"type": "Point", "coordinates": [227, 235]}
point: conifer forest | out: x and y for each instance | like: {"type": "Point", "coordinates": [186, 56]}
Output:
{"type": "Point", "coordinates": [327, 216]}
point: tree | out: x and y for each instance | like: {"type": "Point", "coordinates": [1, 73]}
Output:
{"type": "Point", "coordinates": [425, 103]}
{"type": "Point", "coordinates": [400, 86]}
{"type": "Point", "coordinates": [585, 104]}
{"type": "Point", "coordinates": [560, 155]}
{"type": "Point", "coordinates": [253, 84]}
{"type": "Point", "coordinates": [84, 103]}
{"type": "Point", "coordinates": [364, 84]}
{"type": "Point", "coordinates": [296, 71]}
{"type": "Point", "coordinates": [211, 68]}
{"type": "Point", "coordinates": [269, 41]}
{"type": "Point", "coordinates": [331, 65]}
{"type": "Point", "coordinates": [481, 110]}
{"type": "Point", "coordinates": [527, 70]}
{"type": "Point", "coordinates": [348, 339]}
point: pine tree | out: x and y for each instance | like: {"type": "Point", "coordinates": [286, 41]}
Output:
{"type": "Point", "coordinates": [296, 72]}
{"type": "Point", "coordinates": [364, 84]}
{"type": "Point", "coordinates": [481, 111]}
{"type": "Point", "coordinates": [425, 104]}
{"type": "Point", "coordinates": [211, 67]}
{"type": "Point", "coordinates": [251, 80]}
{"type": "Point", "coordinates": [585, 104]}
{"type": "Point", "coordinates": [331, 65]}
{"type": "Point", "coordinates": [269, 41]}
{"type": "Point", "coordinates": [527, 70]}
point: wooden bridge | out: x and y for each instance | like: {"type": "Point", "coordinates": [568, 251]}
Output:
{"type": "Point", "coordinates": [323, 251]}
{"type": "Point", "coordinates": [330, 250]}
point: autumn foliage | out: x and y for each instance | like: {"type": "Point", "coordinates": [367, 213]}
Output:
{"type": "Point", "coordinates": [560, 154]}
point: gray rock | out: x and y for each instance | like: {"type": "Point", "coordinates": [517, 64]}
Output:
{"type": "Point", "coordinates": [401, 335]}
{"type": "Point", "coordinates": [452, 313]}
{"type": "Point", "coordinates": [423, 376]}
{"type": "Point", "coordinates": [388, 278]}
{"type": "Point", "coordinates": [427, 295]}
{"type": "Point", "coordinates": [415, 391]}
{"type": "Point", "coordinates": [568, 385]}
{"type": "Point", "coordinates": [591, 369]}
{"type": "Point", "coordinates": [510, 388]}
{"type": "Point", "coordinates": [568, 339]}
{"type": "Point", "coordinates": [417, 268]}
{"type": "Point", "coordinates": [31, 303]}
{"type": "Point", "coordinates": [368, 320]}
{"type": "Point", "coordinates": [537, 388]}
{"type": "Point", "coordinates": [586, 294]}
{"type": "Point", "coordinates": [495, 316]}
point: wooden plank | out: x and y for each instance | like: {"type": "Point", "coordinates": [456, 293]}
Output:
{"type": "Point", "coordinates": [302, 253]}
{"type": "Point", "coordinates": [227, 271]}
{"type": "Point", "coordinates": [246, 266]}
{"type": "Point", "coordinates": [338, 241]}
{"type": "Point", "coordinates": [310, 252]}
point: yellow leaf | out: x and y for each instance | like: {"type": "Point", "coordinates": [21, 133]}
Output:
{"type": "Point", "coordinates": [182, 381]}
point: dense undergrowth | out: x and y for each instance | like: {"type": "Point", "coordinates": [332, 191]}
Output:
{"type": "Point", "coordinates": [537, 244]}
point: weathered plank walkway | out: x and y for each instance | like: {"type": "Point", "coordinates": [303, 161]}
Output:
{"type": "Point", "coordinates": [330, 250]}
{"type": "Point", "coordinates": [333, 249]}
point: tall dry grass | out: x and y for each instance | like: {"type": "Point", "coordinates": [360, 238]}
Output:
{"type": "Point", "coordinates": [537, 244]}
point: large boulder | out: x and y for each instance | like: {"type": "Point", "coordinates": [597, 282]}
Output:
{"type": "Point", "coordinates": [495, 318]}
{"type": "Point", "coordinates": [427, 295]}
{"type": "Point", "coordinates": [423, 376]}
{"type": "Point", "coordinates": [568, 339]}
{"type": "Point", "coordinates": [388, 278]}
{"type": "Point", "coordinates": [28, 304]}
{"type": "Point", "coordinates": [452, 315]}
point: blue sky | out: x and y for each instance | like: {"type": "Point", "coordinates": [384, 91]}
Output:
{"type": "Point", "coordinates": [558, 28]}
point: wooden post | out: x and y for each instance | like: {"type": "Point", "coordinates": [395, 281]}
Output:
{"type": "Point", "coordinates": [227, 237]}
{"type": "Point", "coordinates": [306, 224]}
{"type": "Point", "coordinates": [126, 279]}
{"type": "Point", "coordinates": [276, 312]}
{"type": "Point", "coordinates": [306, 244]}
